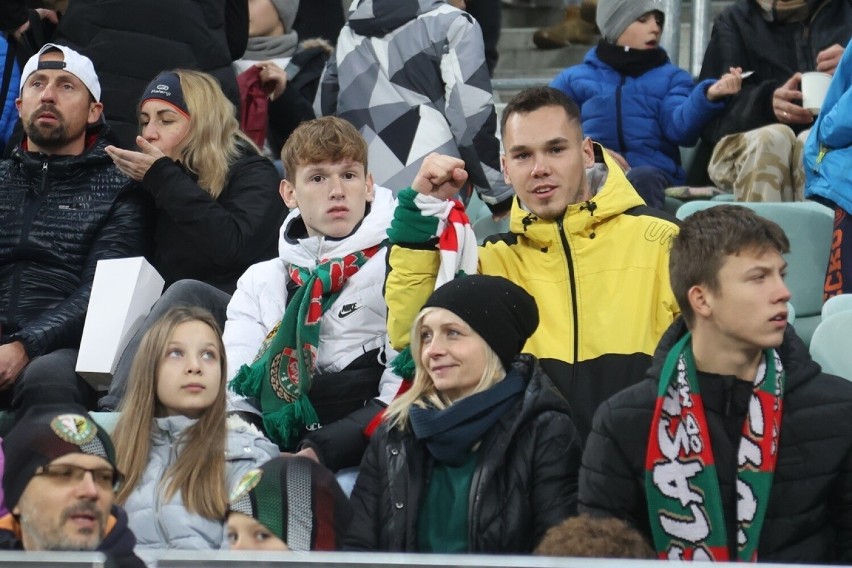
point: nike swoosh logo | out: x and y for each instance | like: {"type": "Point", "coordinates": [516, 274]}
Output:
{"type": "Point", "coordinates": [348, 310]}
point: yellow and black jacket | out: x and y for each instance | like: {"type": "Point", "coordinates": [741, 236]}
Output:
{"type": "Point", "coordinates": [599, 275]}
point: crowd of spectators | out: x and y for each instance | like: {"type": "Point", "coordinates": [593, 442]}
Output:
{"type": "Point", "coordinates": [337, 363]}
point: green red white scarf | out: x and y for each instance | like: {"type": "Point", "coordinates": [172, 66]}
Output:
{"type": "Point", "coordinates": [281, 374]}
{"type": "Point", "coordinates": [681, 483]}
{"type": "Point", "coordinates": [422, 218]}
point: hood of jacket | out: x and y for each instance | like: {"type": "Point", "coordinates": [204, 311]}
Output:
{"type": "Point", "coordinates": [377, 18]}
{"type": "Point", "coordinates": [611, 197]}
{"type": "Point", "coordinates": [795, 357]}
{"type": "Point", "coordinates": [540, 395]}
{"type": "Point", "coordinates": [306, 251]}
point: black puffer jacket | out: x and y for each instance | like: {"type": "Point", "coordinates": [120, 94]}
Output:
{"type": "Point", "coordinates": [524, 483]}
{"type": "Point", "coordinates": [743, 38]}
{"type": "Point", "coordinates": [59, 215]}
{"type": "Point", "coordinates": [215, 240]}
{"type": "Point", "coordinates": [809, 519]}
{"type": "Point", "coordinates": [131, 41]}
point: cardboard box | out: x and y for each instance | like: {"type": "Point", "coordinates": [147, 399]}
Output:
{"type": "Point", "coordinates": [123, 291]}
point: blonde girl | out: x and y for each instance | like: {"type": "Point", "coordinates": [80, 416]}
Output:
{"type": "Point", "coordinates": [180, 454]}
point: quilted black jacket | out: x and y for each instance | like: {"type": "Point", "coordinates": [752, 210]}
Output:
{"type": "Point", "coordinates": [524, 483]}
{"type": "Point", "coordinates": [59, 215]}
{"type": "Point", "coordinates": [809, 519]}
{"type": "Point", "coordinates": [741, 37]}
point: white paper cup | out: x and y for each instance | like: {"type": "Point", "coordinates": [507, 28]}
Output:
{"type": "Point", "coordinates": [814, 86]}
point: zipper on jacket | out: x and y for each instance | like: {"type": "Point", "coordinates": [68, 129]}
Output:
{"type": "Point", "coordinates": [823, 150]}
{"type": "Point", "coordinates": [571, 277]}
{"type": "Point", "coordinates": [158, 496]}
{"type": "Point", "coordinates": [807, 31]}
{"type": "Point", "coordinates": [44, 184]}
{"type": "Point", "coordinates": [474, 494]}
{"type": "Point", "coordinates": [619, 119]}
{"type": "Point", "coordinates": [32, 203]}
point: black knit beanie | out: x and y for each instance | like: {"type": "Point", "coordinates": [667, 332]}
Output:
{"type": "Point", "coordinates": [499, 310]}
{"type": "Point", "coordinates": [298, 500]}
{"type": "Point", "coordinates": [45, 433]}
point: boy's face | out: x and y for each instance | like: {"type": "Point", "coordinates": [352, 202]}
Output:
{"type": "Point", "coordinates": [245, 533]}
{"type": "Point", "coordinates": [644, 33]}
{"type": "Point", "coordinates": [749, 310]}
{"type": "Point", "coordinates": [331, 196]}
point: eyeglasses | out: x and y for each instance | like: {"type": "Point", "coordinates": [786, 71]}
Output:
{"type": "Point", "coordinates": [67, 474]}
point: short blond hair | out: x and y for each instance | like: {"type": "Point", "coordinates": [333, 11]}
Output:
{"type": "Point", "coordinates": [326, 139]}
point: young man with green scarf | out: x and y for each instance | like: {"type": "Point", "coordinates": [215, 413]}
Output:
{"type": "Point", "coordinates": [306, 332]}
{"type": "Point", "coordinates": [736, 447]}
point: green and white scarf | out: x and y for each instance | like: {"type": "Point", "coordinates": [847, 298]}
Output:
{"type": "Point", "coordinates": [681, 483]}
{"type": "Point", "coordinates": [281, 374]}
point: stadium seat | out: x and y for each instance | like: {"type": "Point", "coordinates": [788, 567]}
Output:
{"type": "Point", "coordinates": [836, 304]}
{"type": "Point", "coordinates": [831, 345]}
{"type": "Point", "coordinates": [487, 226]}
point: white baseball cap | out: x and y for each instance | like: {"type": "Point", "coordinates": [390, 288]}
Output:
{"type": "Point", "coordinates": [78, 65]}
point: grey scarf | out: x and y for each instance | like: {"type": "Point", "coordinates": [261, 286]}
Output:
{"type": "Point", "coordinates": [263, 48]}
{"type": "Point", "coordinates": [784, 11]}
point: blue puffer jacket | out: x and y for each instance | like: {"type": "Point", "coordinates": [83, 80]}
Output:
{"type": "Point", "coordinates": [8, 112]}
{"type": "Point", "coordinates": [643, 118]}
{"type": "Point", "coordinates": [828, 151]}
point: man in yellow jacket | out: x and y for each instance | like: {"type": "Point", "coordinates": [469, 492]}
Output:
{"type": "Point", "coordinates": [581, 241]}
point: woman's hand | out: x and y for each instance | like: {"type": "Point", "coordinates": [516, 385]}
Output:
{"type": "Point", "coordinates": [135, 164]}
{"type": "Point", "coordinates": [727, 85]}
{"type": "Point", "coordinates": [273, 78]}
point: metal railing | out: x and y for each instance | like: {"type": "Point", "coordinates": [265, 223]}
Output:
{"type": "Point", "coordinates": [701, 23]}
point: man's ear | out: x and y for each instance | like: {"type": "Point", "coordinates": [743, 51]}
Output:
{"type": "Point", "coordinates": [700, 300]}
{"type": "Point", "coordinates": [288, 193]}
{"type": "Point", "coordinates": [95, 111]}
{"type": "Point", "coordinates": [371, 188]}
{"type": "Point", "coordinates": [503, 169]}
{"type": "Point", "coordinates": [588, 153]}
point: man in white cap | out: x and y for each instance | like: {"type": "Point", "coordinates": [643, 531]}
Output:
{"type": "Point", "coordinates": [63, 206]}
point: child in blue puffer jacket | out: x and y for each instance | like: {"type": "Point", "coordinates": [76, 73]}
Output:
{"type": "Point", "coordinates": [638, 104]}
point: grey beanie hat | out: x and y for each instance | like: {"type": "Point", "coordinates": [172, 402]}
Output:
{"type": "Point", "coordinates": [613, 16]}
{"type": "Point", "coordinates": [286, 12]}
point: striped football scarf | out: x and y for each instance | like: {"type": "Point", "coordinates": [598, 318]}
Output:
{"type": "Point", "coordinates": [422, 218]}
{"type": "Point", "coordinates": [684, 500]}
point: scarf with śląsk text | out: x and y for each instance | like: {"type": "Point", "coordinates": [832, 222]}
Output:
{"type": "Point", "coordinates": [681, 483]}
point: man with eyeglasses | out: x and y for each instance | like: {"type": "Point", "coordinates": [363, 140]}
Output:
{"type": "Point", "coordinates": [59, 482]}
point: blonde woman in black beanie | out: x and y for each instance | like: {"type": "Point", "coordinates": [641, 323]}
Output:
{"type": "Point", "coordinates": [480, 455]}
